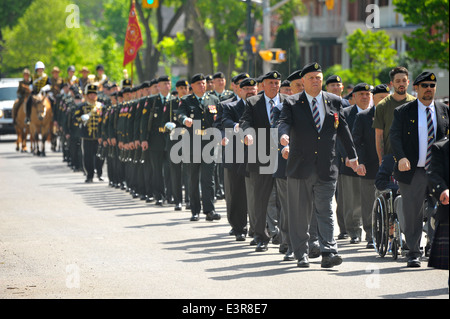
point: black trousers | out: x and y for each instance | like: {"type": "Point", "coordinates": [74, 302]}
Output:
{"type": "Point", "coordinates": [90, 160]}
{"type": "Point", "coordinates": [157, 163]}
{"type": "Point", "coordinates": [236, 200]}
{"type": "Point", "coordinates": [75, 151]}
{"type": "Point", "coordinates": [201, 174]}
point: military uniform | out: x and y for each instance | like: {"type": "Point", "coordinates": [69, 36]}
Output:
{"type": "Point", "coordinates": [203, 110]}
{"type": "Point", "coordinates": [154, 117]}
{"type": "Point", "coordinates": [90, 118]}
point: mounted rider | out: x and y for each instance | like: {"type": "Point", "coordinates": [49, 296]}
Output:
{"type": "Point", "coordinates": [40, 82]}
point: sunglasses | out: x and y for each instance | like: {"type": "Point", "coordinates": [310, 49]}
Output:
{"type": "Point", "coordinates": [426, 85]}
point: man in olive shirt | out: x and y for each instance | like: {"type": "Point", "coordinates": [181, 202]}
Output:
{"type": "Point", "coordinates": [384, 112]}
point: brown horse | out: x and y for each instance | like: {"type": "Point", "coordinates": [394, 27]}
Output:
{"type": "Point", "coordinates": [41, 122]}
{"type": "Point", "coordinates": [22, 129]}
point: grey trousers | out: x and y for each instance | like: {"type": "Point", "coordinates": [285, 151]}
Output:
{"type": "Point", "coordinates": [303, 195]}
{"type": "Point", "coordinates": [262, 188]}
{"type": "Point", "coordinates": [367, 200]}
{"type": "Point", "coordinates": [413, 196]}
{"type": "Point", "coordinates": [351, 201]}
{"type": "Point", "coordinates": [250, 205]}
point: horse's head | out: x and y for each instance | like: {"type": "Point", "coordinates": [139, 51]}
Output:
{"type": "Point", "coordinates": [38, 102]}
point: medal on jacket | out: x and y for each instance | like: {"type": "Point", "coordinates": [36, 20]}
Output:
{"type": "Point", "coordinates": [212, 109]}
{"type": "Point", "coordinates": [336, 120]}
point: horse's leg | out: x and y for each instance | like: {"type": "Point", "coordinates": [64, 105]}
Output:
{"type": "Point", "coordinates": [19, 139]}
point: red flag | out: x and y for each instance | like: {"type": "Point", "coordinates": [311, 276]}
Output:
{"type": "Point", "coordinates": [133, 38]}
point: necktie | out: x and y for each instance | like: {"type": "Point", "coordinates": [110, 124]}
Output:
{"type": "Point", "coordinates": [316, 115]}
{"type": "Point", "coordinates": [272, 104]}
{"type": "Point", "coordinates": [431, 137]}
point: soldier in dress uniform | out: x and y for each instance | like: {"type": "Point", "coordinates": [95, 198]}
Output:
{"type": "Point", "coordinates": [89, 119]}
{"type": "Point", "coordinates": [153, 134]}
{"type": "Point", "coordinates": [177, 170]}
{"type": "Point", "coordinates": [73, 132]}
{"type": "Point", "coordinates": [295, 81]}
{"type": "Point", "coordinates": [201, 108]}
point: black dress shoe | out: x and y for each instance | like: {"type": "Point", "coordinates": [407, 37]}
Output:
{"type": "Point", "coordinates": [149, 199]}
{"type": "Point", "coordinates": [330, 260]}
{"type": "Point", "coordinates": [178, 206]}
{"type": "Point", "coordinates": [212, 216]}
{"type": "Point", "coordinates": [289, 256]}
{"type": "Point", "coordinates": [370, 245]}
{"type": "Point", "coordinates": [88, 180]}
{"type": "Point", "coordinates": [240, 237]}
{"type": "Point", "coordinates": [342, 236]}
{"type": "Point", "coordinates": [314, 252]}
{"type": "Point", "coordinates": [159, 202]}
{"type": "Point", "coordinates": [303, 262]}
{"type": "Point", "coordinates": [253, 242]}
{"type": "Point", "coordinates": [100, 179]}
{"type": "Point", "coordinates": [188, 205]}
{"type": "Point", "coordinates": [195, 217]}
{"type": "Point", "coordinates": [261, 246]}
{"type": "Point", "coordinates": [355, 240]}
{"type": "Point", "coordinates": [413, 262]}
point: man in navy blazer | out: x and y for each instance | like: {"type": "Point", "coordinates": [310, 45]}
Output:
{"type": "Point", "coordinates": [310, 124]}
{"type": "Point", "coordinates": [411, 138]}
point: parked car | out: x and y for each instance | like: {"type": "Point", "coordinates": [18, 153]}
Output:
{"type": "Point", "coordinates": [8, 94]}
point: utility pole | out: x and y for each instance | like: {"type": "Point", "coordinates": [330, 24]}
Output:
{"type": "Point", "coordinates": [267, 13]}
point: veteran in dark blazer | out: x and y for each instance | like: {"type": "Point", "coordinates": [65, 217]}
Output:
{"type": "Point", "coordinates": [310, 124]}
{"type": "Point", "coordinates": [416, 126]}
{"type": "Point", "coordinates": [258, 115]}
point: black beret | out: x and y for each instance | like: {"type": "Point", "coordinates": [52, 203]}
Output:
{"type": "Point", "coordinates": [295, 76]}
{"type": "Point", "coordinates": [239, 77]}
{"type": "Point", "coordinates": [182, 83]}
{"type": "Point", "coordinates": [219, 75]}
{"type": "Point", "coordinates": [164, 78]}
{"type": "Point", "coordinates": [333, 79]}
{"type": "Point", "coordinates": [99, 67]}
{"type": "Point", "coordinates": [425, 76]}
{"type": "Point", "coordinates": [259, 79]}
{"type": "Point", "coordinates": [272, 75]}
{"type": "Point", "coordinates": [153, 82]}
{"type": "Point", "coordinates": [126, 89]}
{"type": "Point", "coordinates": [247, 82]}
{"type": "Point", "coordinates": [361, 87]}
{"type": "Point", "coordinates": [145, 84]}
{"type": "Point", "coordinates": [285, 83]}
{"type": "Point", "coordinates": [197, 77]}
{"type": "Point", "coordinates": [381, 88]}
{"type": "Point", "coordinates": [209, 77]}
{"type": "Point", "coordinates": [311, 67]}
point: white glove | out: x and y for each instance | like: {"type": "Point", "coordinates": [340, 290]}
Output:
{"type": "Point", "coordinates": [46, 88]}
{"type": "Point", "coordinates": [85, 117]}
{"type": "Point", "coordinates": [170, 126]}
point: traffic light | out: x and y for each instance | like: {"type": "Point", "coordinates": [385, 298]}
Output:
{"type": "Point", "coordinates": [273, 55]}
{"type": "Point", "coordinates": [253, 44]}
{"type": "Point", "coordinates": [329, 4]}
{"type": "Point", "coordinates": [150, 4]}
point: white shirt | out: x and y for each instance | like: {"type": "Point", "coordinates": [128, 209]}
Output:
{"type": "Point", "coordinates": [319, 104]}
{"type": "Point", "coordinates": [423, 130]}
{"type": "Point", "coordinates": [277, 104]}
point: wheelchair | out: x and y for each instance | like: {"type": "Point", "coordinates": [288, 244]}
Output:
{"type": "Point", "coordinates": [386, 234]}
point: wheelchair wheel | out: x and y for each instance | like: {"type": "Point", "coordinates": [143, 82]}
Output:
{"type": "Point", "coordinates": [380, 226]}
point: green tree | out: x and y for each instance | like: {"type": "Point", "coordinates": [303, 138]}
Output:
{"type": "Point", "coordinates": [370, 52]}
{"type": "Point", "coordinates": [430, 42]}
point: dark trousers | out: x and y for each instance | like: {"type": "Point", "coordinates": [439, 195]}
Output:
{"type": "Point", "coordinates": [156, 160]}
{"type": "Point", "coordinates": [262, 187]}
{"type": "Point", "coordinates": [176, 181]}
{"type": "Point", "coordinates": [147, 169]}
{"type": "Point", "coordinates": [236, 200]}
{"type": "Point", "coordinates": [203, 174]}
{"type": "Point", "coordinates": [90, 160]}
{"type": "Point", "coordinates": [75, 151]}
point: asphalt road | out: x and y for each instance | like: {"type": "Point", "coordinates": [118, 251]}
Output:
{"type": "Point", "coordinates": [61, 238]}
